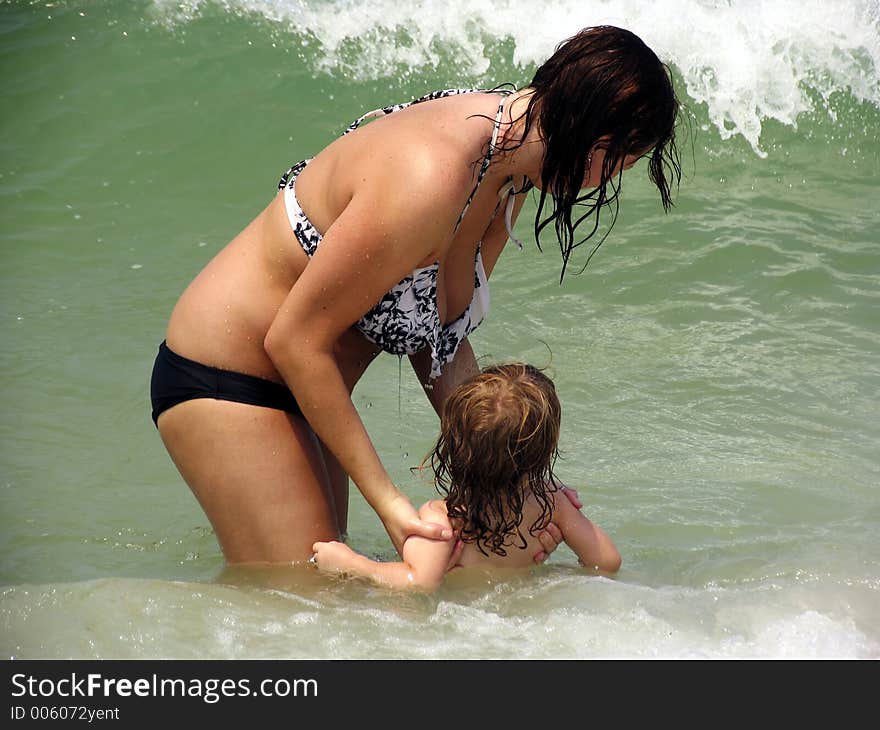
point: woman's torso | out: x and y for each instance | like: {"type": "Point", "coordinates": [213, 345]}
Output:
{"type": "Point", "coordinates": [223, 316]}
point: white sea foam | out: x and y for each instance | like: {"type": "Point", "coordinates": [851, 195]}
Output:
{"type": "Point", "coordinates": [747, 61]}
{"type": "Point", "coordinates": [556, 616]}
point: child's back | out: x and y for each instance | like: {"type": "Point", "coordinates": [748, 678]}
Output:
{"type": "Point", "coordinates": [590, 543]}
{"type": "Point", "coordinates": [518, 554]}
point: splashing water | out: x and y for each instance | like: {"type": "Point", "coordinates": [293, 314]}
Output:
{"type": "Point", "coordinates": [747, 61]}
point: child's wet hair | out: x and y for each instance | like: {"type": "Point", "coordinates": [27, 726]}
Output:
{"type": "Point", "coordinates": [498, 443]}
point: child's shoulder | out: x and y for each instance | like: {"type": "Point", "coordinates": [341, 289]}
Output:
{"type": "Point", "coordinates": [435, 509]}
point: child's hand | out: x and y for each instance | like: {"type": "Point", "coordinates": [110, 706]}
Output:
{"type": "Point", "coordinates": [332, 557]}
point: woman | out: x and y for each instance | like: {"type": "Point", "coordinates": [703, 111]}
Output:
{"type": "Point", "coordinates": [385, 240]}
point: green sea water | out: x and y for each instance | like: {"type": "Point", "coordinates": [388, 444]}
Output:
{"type": "Point", "coordinates": [719, 366]}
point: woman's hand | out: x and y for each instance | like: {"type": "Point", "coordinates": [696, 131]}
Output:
{"type": "Point", "coordinates": [572, 496]}
{"type": "Point", "coordinates": [456, 555]}
{"type": "Point", "coordinates": [402, 520]}
{"type": "Point", "coordinates": [551, 536]}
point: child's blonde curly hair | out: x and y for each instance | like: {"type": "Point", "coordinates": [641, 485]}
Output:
{"type": "Point", "coordinates": [498, 442]}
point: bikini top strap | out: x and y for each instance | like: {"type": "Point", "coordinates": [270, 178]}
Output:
{"type": "Point", "coordinates": [508, 191]}
{"type": "Point", "coordinates": [485, 166]}
{"type": "Point", "coordinates": [385, 110]}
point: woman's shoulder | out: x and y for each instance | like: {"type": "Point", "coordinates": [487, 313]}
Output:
{"type": "Point", "coordinates": [411, 181]}
{"type": "Point", "coordinates": [434, 143]}
{"type": "Point", "coordinates": [412, 167]}
{"type": "Point", "coordinates": [438, 161]}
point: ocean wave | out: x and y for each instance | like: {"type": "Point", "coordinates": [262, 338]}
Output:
{"type": "Point", "coordinates": [745, 61]}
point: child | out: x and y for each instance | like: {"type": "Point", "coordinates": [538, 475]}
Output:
{"type": "Point", "coordinates": [494, 462]}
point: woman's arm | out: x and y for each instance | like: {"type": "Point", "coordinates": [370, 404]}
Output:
{"type": "Point", "coordinates": [364, 253]}
{"type": "Point", "coordinates": [423, 566]}
{"type": "Point", "coordinates": [462, 366]}
{"type": "Point", "coordinates": [589, 541]}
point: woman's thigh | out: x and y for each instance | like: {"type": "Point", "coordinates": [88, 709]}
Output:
{"type": "Point", "coordinates": [258, 474]}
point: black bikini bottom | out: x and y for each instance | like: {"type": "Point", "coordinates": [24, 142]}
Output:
{"type": "Point", "coordinates": [177, 379]}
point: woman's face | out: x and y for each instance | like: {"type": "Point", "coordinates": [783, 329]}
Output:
{"type": "Point", "coordinates": [593, 175]}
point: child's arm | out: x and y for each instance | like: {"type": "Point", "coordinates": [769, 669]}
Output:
{"type": "Point", "coordinates": [424, 561]}
{"type": "Point", "coordinates": [589, 541]}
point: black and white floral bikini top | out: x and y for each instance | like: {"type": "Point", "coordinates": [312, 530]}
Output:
{"type": "Point", "coordinates": [406, 320]}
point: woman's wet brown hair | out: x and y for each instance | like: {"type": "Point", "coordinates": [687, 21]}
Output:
{"type": "Point", "coordinates": [602, 85]}
{"type": "Point", "coordinates": [498, 443]}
